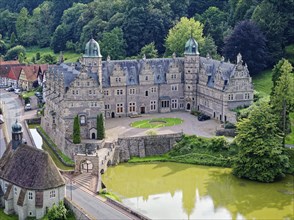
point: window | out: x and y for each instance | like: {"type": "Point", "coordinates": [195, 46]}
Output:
{"type": "Point", "coordinates": [90, 92]}
{"type": "Point", "coordinates": [119, 108]}
{"type": "Point", "coordinates": [78, 83]}
{"type": "Point", "coordinates": [106, 92]}
{"type": "Point", "coordinates": [246, 96]}
{"type": "Point", "coordinates": [30, 195]}
{"type": "Point", "coordinates": [174, 103]}
{"type": "Point", "coordinates": [165, 104]}
{"type": "Point", "coordinates": [146, 78]}
{"type": "Point", "coordinates": [15, 190]}
{"type": "Point", "coordinates": [132, 91]}
{"type": "Point", "coordinates": [119, 92]}
{"type": "Point", "coordinates": [231, 97]}
{"type": "Point", "coordinates": [107, 106]}
{"type": "Point", "coordinates": [72, 104]}
{"type": "Point", "coordinates": [77, 92]}
{"type": "Point", "coordinates": [73, 92]}
{"type": "Point", "coordinates": [117, 79]}
{"type": "Point", "coordinates": [5, 187]}
{"type": "Point", "coordinates": [174, 87]}
{"type": "Point", "coordinates": [146, 93]}
{"type": "Point", "coordinates": [153, 89]}
{"type": "Point", "coordinates": [88, 83]}
{"type": "Point", "coordinates": [52, 194]}
{"type": "Point", "coordinates": [53, 120]}
{"type": "Point", "coordinates": [181, 105]}
{"type": "Point", "coordinates": [153, 105]}
{"type": "Point", "coordinates": [82, 119]}
{"type": "Point", "coordinates": [132, 107]}
{"type": "Point", "coordinates": [173, 76]}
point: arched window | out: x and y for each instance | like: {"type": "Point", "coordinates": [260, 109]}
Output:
{"type": "Point", "coordinates": [82, 119]}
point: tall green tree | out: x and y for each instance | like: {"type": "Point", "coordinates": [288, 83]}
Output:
{"type": "Point", "coordinates": [282, 98]}
{"type": "Point", "coordinates": [23, 27]}
{"type": "Point", "coordinates": [149, 51]}
{"type": "Point", "coordinates": [113, 44]}
{"type": "Point", "coordinates": [3, 46]}
{"type": "Point", "coordinates": [7, 22]}
{"type": "Point", "coordinates": [273, 29]}
{"type": "Point", "coordinates": [14, 52]}
{"type": "Point", "coordinates": [209, 47]}
{"type": "Point", "coordinates": [76, 131]}
{"type": "Point", "coordinates": [261, 154]}
{"type": "Point", "coordinates": [180, 33]}
{"type": "Point", "coordinates": [12, 39]}
{"type": "Point", "coordinates": [100, 127]}
{"type": "Point", "coordinates": [248, 40]}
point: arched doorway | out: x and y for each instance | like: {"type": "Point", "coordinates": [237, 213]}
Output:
{"type": "Point", "coordinates": [188, 106]}
{"type": "Point", "coordinates": [108, 163]}
{"type": "Point", "coordinates": [86, 166]}
{"type": "Point", "coordinates": [93, 136]}
{"type": "Point", "coordinates": [113, 115]}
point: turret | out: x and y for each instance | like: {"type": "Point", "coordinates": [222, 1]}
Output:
{"type": "Point", "coordinates": [191, 72]}
{"type": "Point", "coordinates": [16, 135]}
{"type": "Point", "coordinates": [92, 59]}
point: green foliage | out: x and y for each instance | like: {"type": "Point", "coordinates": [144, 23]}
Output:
{"type": "Point", "coordinates": [48, 58]}
{"type": "Point", "coordinates": [113, 44]}
{"type": "Point", "coordinates": [12, 39]}
{"type": "Point", "coordinates": [23, 29]}
{"type": "Point", "coordinates": [282, 98]}
{"type": "Point", "coordinates": [149, 51]}
{"type": "Point", "coordinates": [209, 47]}
{"type": "Point", "coordinates": [263, 82]}
{"type": "Point", "coordinates": [180, 33]}
{"type": "Point", "coordinates": [14, 52]}
{"type": "Point", "coordinates": [290, 153]}
{"type": "Point", "coordinates": [261, 156]}
{"type": "Point", "coordinates": [290, 137]}
{"type": "Point", "coordinates": [57, 212]}
{"type": "Point", "coordinates": [156, 122]}
{"type": "Point", "coordinates": [3, 47]}
{"type": "Point", "coordinates": [76, 131]}
{"type": "Point", "coordinates": [100, 127]}
{"type": "Point", "coordinates": [7, 217]}
{"type": "Point", "coordinates": [159, 158]}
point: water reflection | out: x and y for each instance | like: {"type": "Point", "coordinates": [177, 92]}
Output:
{"type": "Point", "coordinates": [181, 191]}
{"type": "Point", "coordinates": [37, 138]}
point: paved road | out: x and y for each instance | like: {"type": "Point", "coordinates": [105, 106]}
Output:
{"type": "Point", "coordinates": [13, 110]}
{"type": "Point", "coordinates": [96, 208]}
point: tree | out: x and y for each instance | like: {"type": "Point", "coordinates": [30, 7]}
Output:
{"type": "Point", "coordinates": [57, 212]}
{"type": "Point", "coordinates": [3, 47]}
{"type": "Point", "coordinates": [273, 29]}
{"type": "Point", "coordinates": [49, 59]}
{"type": "Point", "coordinates": [12, 39]}
{"type": "Point", "coordinates": [261, 156]}
{"type": "Point", "coordinates": [23, 28]}
{"type": "Point", "coordinates": [14, 52]}
{"type": "Point", "coordinates": [59, 39]}
{"type": "Point", "coordinates": [282, 98]}
{"type": "Point", "coordinates": [209, 47]}
{"type": "Point", "coordinates": [7, 23]}
{"type": "Point", "coordinates": [149, 51]}
{"type": "Point", "coordinates": [113, 44]}
{"type": "Point", "coordinates": [76, 131]}
{"type": "Point", "coordinates": [248, 40]}
{"type": "Point", "coordinates": [180, 33]}
{"type": "Point", "coordinates": [100, 127]}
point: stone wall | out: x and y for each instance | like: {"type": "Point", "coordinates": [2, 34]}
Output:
{"type": "Point", "coordinates": [144, 146]}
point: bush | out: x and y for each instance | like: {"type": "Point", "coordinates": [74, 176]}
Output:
{"type": "Point", "coordinates": [57, 212]}
{"type": "Point", "coordinates": [14, 52]}
{"type": "Point", "coordinates": [218, 143]}
{"type": "Point", "coordinates": [76, 131]}
{"type": "Point", "coordinates": [229, 125]}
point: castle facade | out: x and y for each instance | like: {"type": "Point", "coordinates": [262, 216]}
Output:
{"type": "Point", "coordinates": [122, 88]}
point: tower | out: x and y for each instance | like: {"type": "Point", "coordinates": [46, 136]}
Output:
{"type": "Point", "coordinates": [191, 70]}
{"type": "Point", "coordinates": [16, 135]}
{"type": "Point", "coordinates": [92, 59]}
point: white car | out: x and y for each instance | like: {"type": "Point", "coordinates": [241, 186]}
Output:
{"type": "Point", "coordinates": [27, 107]}
{"type": "Point", "coordinates": [17, 91]}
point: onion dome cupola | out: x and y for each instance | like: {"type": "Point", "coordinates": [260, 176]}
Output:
{"type": "Point", "coordinates": [16, 135]}
{"type": "Point", "coordinates": [92, 49]}
{"type": "Point", "coordinates": [191, 47]}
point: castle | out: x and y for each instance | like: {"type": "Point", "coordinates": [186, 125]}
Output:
{"type": "Point", "coordinates": [121, 88]}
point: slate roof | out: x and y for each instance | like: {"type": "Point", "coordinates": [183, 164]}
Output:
{"type": "Point", "coordinates": [133, 68]}
{"type": "Point", "coordinates": [29, 168]}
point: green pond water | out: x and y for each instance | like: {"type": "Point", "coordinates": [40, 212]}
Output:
{"type": "Point", "coordinates": [183, 191]}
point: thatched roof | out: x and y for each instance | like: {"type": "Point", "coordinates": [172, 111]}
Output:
{"type": "Point", "coordinates": [30, 168]}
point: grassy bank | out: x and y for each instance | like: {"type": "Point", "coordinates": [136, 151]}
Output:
{"type": "Point", "coordinates": [7, 217]}
{"type": "Point", "coordinates": [263, 82]}
{"type": "Point", "coordinates": [68, 55]}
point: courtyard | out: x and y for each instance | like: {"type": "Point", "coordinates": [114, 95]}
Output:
{"type": "Point", "coordinates": [121, 127]}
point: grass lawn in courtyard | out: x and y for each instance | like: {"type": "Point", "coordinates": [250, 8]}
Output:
{"type": "Point", "coordinates": [7, 217]}
{"type": "Point", "coordinates": [156, 122]}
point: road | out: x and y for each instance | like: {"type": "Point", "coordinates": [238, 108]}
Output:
{"type": "Point", "coordinates": [13, 110]}
{"type": "Point", "coordinates": [96, 208]}
{"type": "Point", "coordinates": [2, 141]}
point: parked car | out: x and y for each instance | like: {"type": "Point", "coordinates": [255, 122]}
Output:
{"type": "Point", "coordinates": [27, 107]}
{"type": "Point", "coordinates": [38, 94]}
{"type": "Point", "coordinates": [203, 117]}
{"type": "Point", "coordinates": [9, 89]}
{"type": "Point", "coordinates": [17, 91]}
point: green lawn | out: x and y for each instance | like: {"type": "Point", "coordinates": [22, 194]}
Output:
{"type": "Point", "coordinates": [7, 217]}
{"type": "Point", "coordinates": [68, 56]}
{"type": "Point", "coordinates": [156, 122]}
{"type": "Point", "coordinates": [263, 82]}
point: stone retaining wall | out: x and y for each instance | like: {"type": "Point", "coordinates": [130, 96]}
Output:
{"type": "Point", "coordinates": [144, 146]}
{"type": "Point", "coordinates": [78, 211]}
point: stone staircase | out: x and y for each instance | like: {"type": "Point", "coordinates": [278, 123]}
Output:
{"type": "Point", "coordinates": [87, 180]}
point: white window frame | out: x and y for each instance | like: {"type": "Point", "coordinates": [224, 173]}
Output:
{"type": "Point", "coordinates": [119, 108]}
{"type": "Point", "coordinates": [30, 196]}
{"type": "Point", "coordinates": [132, 106]}
{"type": "Point", "coordinates": [174, 103]}
{"type": "Point", "coordinates": [174, 87]}
{"type": "Point", "coordinates": [132, 91]}
{"type": "Point", "coordinates": [52, 194]}
{"type": "Point", "coordinates": [153, 105]}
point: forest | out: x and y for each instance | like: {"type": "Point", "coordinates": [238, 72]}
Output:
{"type": "Point", "coordinates": [258, 29]}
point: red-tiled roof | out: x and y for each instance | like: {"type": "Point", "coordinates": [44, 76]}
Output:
{"type": "Point", "coordinates": [14, 72]}
{"type": "Point", "coordinates": [9, 62]}
{"type": "Point", "coordinates": [31, 72]}
{"type": "Point", "coordinates": [4, 70]}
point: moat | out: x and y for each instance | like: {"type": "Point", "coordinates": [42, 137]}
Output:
{"type": "Point", "coordinates": [183, 191]}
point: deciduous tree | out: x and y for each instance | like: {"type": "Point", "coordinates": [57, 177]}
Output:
{"type": "Point", "coordinates": [76, 131]}
{"type": "Point", "coordinates": [261, 156]}
{"type": "Point", "coordinates": [149, 51]}
{"type": "Point", "coordinates": [100, 127]}
{"type": "Point", "coordinates": [248, 40]}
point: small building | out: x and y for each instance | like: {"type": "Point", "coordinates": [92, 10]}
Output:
{"type": "Point", "coordinates": [30, 183]}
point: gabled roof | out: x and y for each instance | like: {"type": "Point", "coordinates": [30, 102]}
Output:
{"type": "Point", "coordinates": [4, 70]}
{"type": "Point", "coordinates": [9, 62]}
{"type": "Point", "coordinates": [31, 72]}
{"type": "Point", "coordinates": [14, 72]}
{"type": "Point", "coordinates": [29, 168]}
